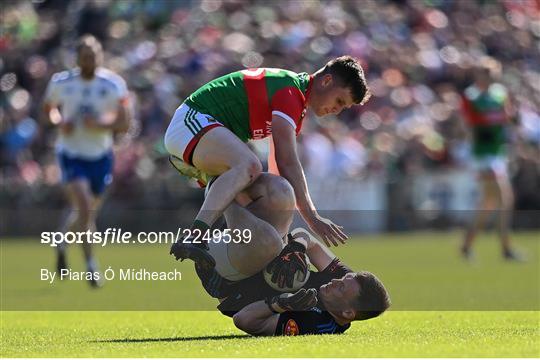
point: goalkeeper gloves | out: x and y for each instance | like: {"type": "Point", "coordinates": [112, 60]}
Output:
{"type": "Point", "coordinates": [284, 267]}
{"type": "Point", "coordinates": [301, 300]}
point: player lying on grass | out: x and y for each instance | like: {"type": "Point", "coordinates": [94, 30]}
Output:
{"type": "Point", "coordinates": [333, 297]}
{"type": "Point", "coordinates": [330, 300]}
{"type": "Point", "coordinates": [208, 131]}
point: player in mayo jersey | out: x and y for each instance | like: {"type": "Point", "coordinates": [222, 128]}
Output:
{"type": "Point", "coordinates": [88, 104]}
{"type": "Point", "coordinates": [488, 113]}
{"type": "Point", "coordinates": [208, 132]}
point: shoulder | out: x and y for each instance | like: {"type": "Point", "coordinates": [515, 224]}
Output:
{"type": "Point", "coordinates": [286, 76]}
{"type": "Point", "coordinates": [498, 91]}
{"type": "Point", "coordinates": [111, 78]}
{"type": "Point", "coordinates": [472, 93]}
{"type": "Point", "coordinates": [64, 76]}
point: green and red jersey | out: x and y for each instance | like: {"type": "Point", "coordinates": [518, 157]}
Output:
{"type": "Point", "coordinates": [485, 113]}
{"type": "Point", "coordinates": [244, 101]}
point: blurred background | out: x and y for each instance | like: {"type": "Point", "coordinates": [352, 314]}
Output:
{"type": "Point", "coordinates": [401, 162]}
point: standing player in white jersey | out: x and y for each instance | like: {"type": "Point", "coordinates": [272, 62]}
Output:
{"type": "Point", "coordinates": [88, 104]}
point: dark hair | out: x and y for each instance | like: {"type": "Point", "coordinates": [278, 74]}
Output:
{"type": "Point", "coordinates": [373, 298]}
{"type": "Point", "coordinates": [350, 74]}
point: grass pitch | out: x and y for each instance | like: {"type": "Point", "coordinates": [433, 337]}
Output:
{"type": "Point", "coordinates": [440, 306]}
{"type": "Point", "coordinates": [207, 334]}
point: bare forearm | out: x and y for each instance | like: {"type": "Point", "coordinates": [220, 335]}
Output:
{"type": "Point", "coordinates": [256, 319]}
{"type": "Point", "coordinates": [292, 171]}
{"type": "Point", "coordinates": [320, 256]}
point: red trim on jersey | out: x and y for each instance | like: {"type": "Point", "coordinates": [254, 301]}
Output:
{"type": "Point", "coordinates": [260, 117]}
{"type": "Point", "coordinates": [290, 101]}
{"type": "Point", "coordinates": [188, 152]}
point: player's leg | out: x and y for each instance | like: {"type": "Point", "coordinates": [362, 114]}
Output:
{"type": "Point", "coordinates": [71, 223]}
{"type": "Point", "coordinates": [274, 203]}
{"type": "Point", "coordinates": [91, 261]}
{"type": "Point", "coordinates": [100, 175]}
{"type": "Point", "coordinates": [271, 198]}
{"type": "Point", "coordinates": [220, 152]}
{"type": "Point", "coordinates": [486, 187]}
{"type": "Point", "coordinates": [505, 195]}
{"type": "Point", "coordinates": [214, 150]}
{"type": "Point", "coordinates": [85, 194]}
{"type": "Point", "coordinates": [81, 200]}
{"type": "Point", "coordinates": [76, 188]}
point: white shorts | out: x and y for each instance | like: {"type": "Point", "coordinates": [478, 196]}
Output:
{"type": "Point", "coordinates": [185, 130]}
{"type": "Point", "coordinates": [220, 252]}
{"type": "Point", "coordinates": [495, 163]}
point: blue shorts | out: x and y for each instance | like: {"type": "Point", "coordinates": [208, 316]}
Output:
{"type": "Point", "coordinates": [97, 172]}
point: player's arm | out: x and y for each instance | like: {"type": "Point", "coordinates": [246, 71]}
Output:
{"type": "Point", "coordinates": [272, 165]}
{"type": "Point", "coordinates": [288, 164]}
{"type": "Point", "coordinates": [511, 112]}
{"type": "Point", "coordinates": [256, 319]}
{"type": "Point", "coordinates": [50, 111]}
{"type": "Point", "coordinates": [292, 259]}
{"type": "Point", "coordinates": [261, 317]}
{"type": "Point", "coordinates": [51, 114]}
{"type": "Point", "coordinates": [320, 256]}
{"type": "Point", "coordinates": [123, 116]}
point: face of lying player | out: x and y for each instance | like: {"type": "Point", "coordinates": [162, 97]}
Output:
{"type": "Point", "coordinates": [88, 60]}
{"type": "Point", "coordinates": [329, 97]}
{"type": "Point", "coordinates": [339, 294]}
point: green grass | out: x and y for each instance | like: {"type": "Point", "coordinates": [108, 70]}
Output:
{"type": "Point", "coordinates": [442, 306]}
{"type": "Point", "coordinates": [207, 334]}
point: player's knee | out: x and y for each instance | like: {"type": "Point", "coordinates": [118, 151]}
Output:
{"type": "Point", "coordinates": [85, 214]}
{"type": "Point", "coordinates": [271, 247]}
{"type": "Point", "coordinates": [83, 210]}
{"type": "Point", "coordinates": [82, 217]}
{"type": "Point", "coordinates": [251, 168]}
{"type": "Point", "coordinates": [507, 199]}
{"type": "Point", "coordinates": [280, 193]}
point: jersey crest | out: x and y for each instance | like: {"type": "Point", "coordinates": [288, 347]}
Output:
{"type": "Point", "coordinates": [291, 328]}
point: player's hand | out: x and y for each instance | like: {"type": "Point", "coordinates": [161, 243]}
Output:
{"type": "Point", "coordinates": [301, 300]}
{"type": "Point", "coordinates": [329, 232]}
{"type": "Point", "coordinates": [291, 259]}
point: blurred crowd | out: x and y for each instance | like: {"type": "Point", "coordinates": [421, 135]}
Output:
{"type": "Point", "coordinates": [418, 55]}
